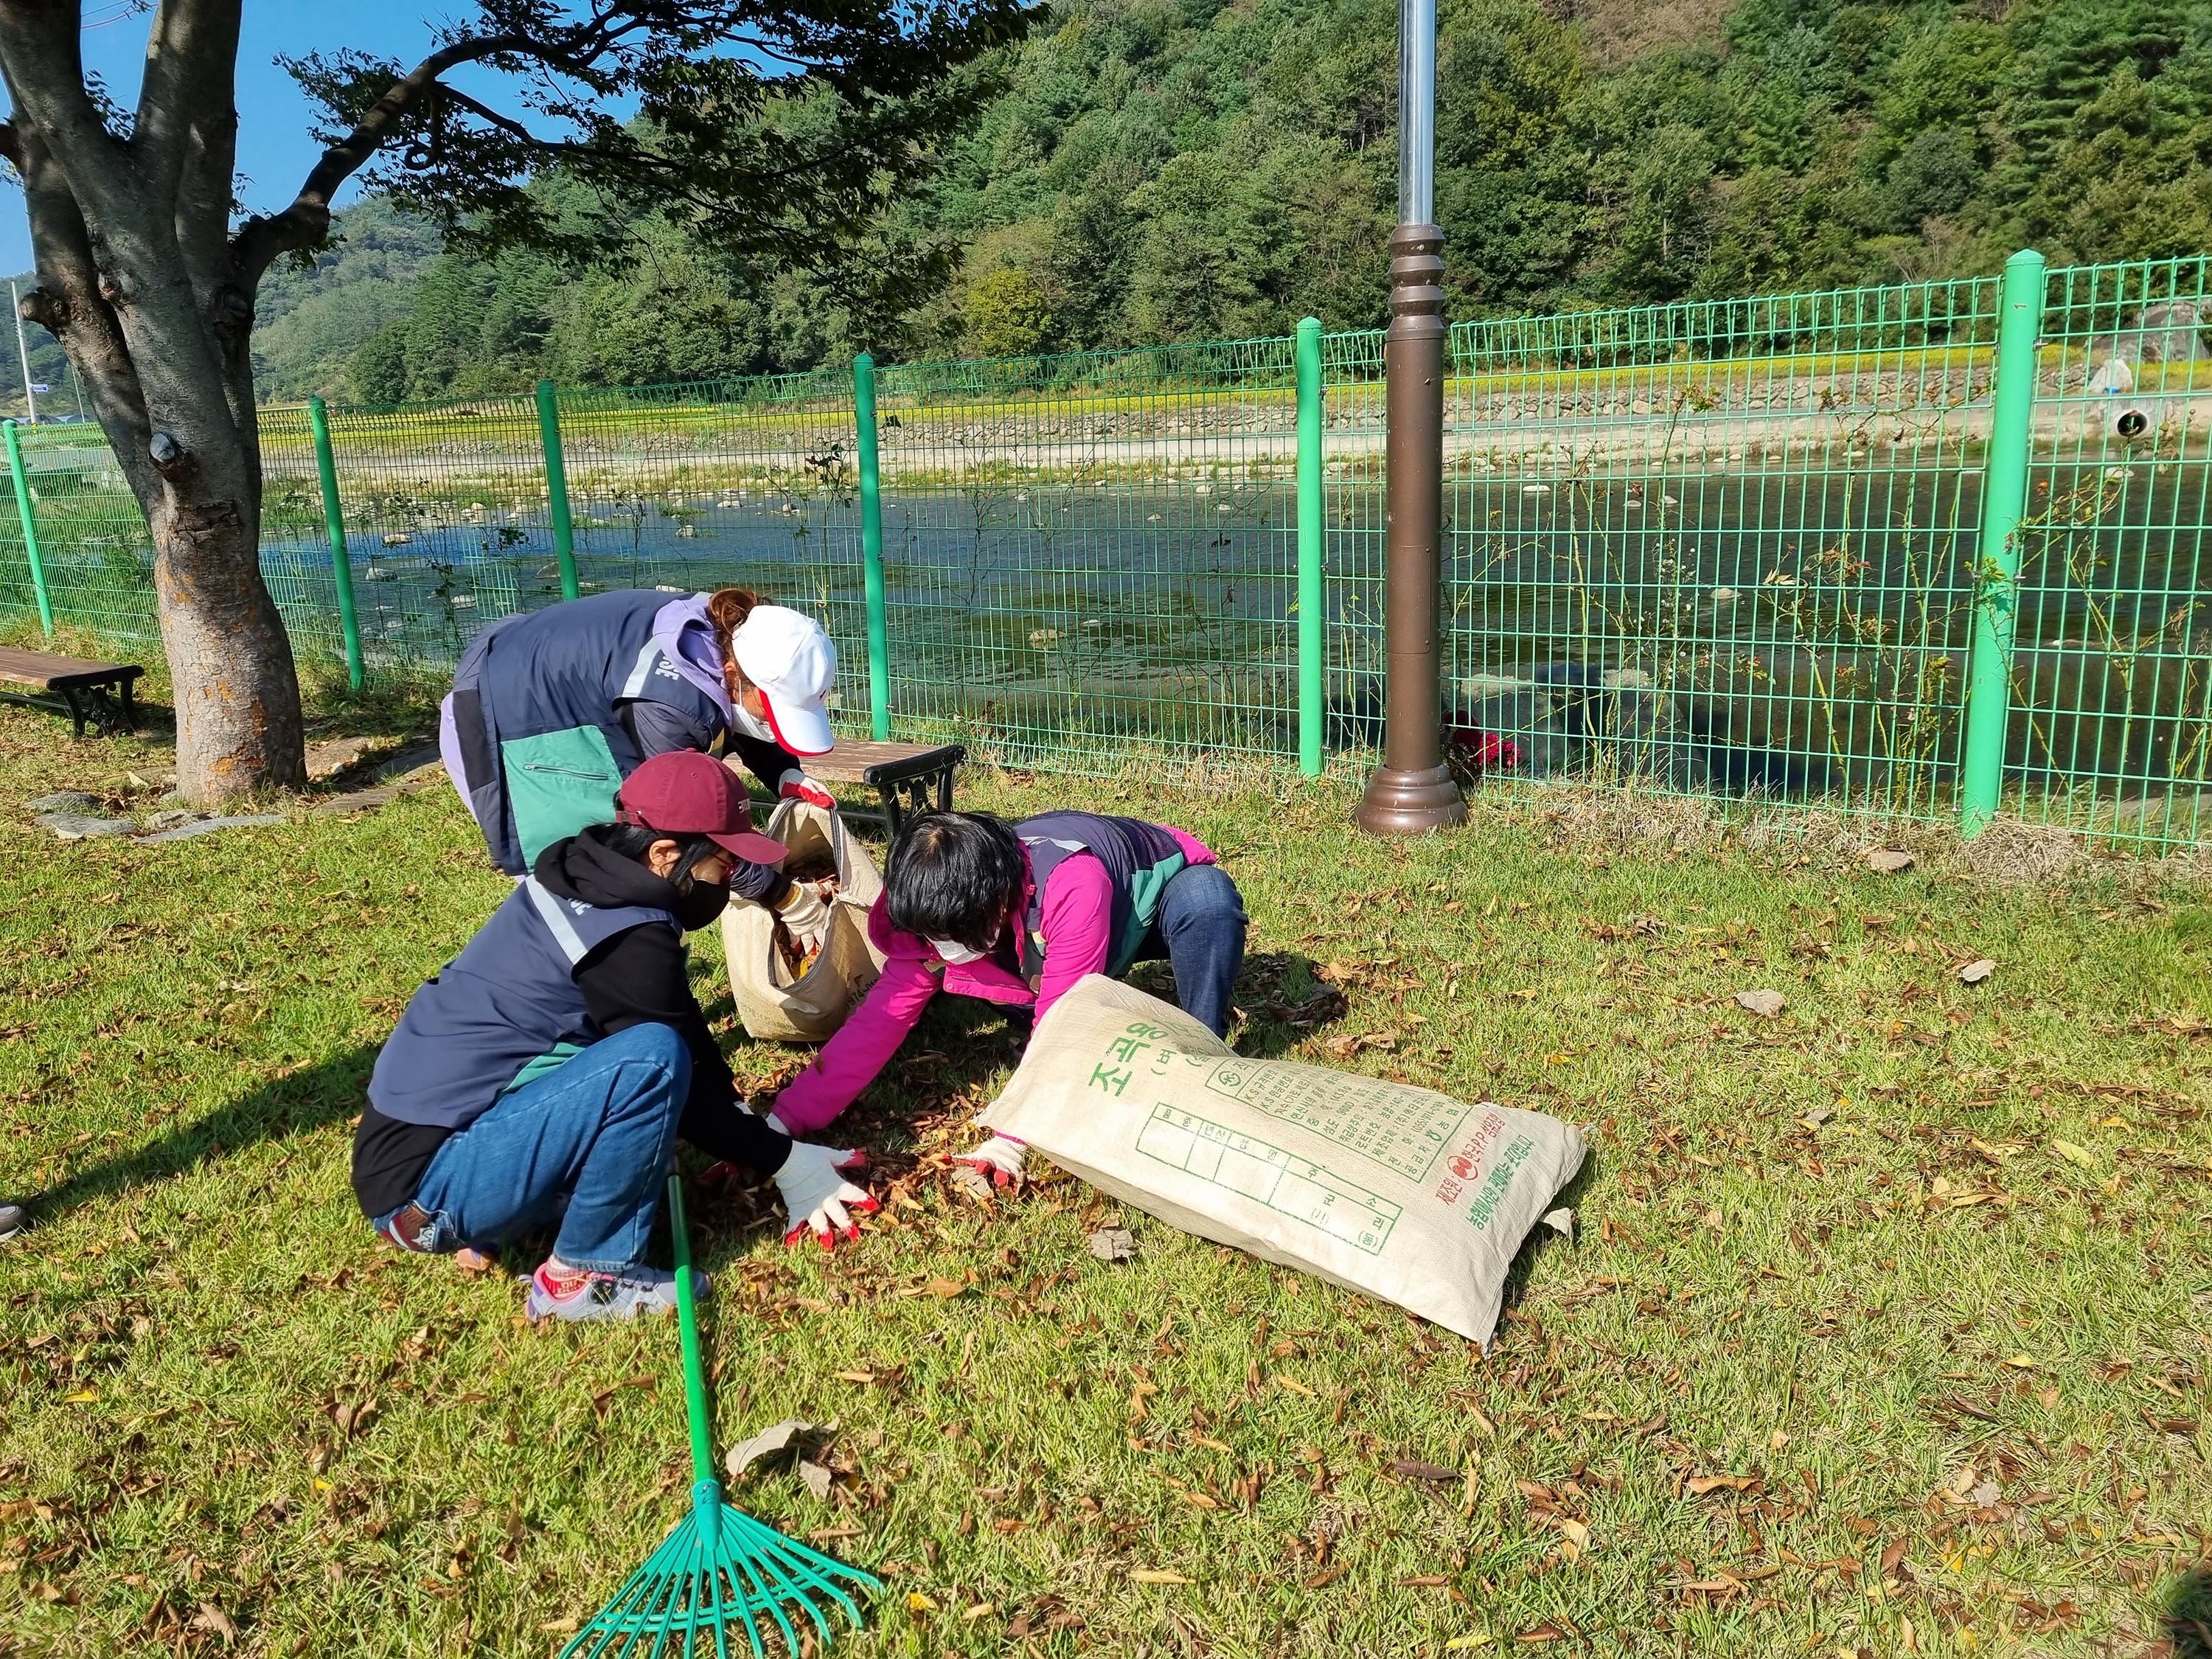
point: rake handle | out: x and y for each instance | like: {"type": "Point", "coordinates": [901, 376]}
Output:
{"type": "Point", "coordinates": [687, 1322]}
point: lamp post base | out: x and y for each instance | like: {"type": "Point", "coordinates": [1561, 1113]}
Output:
{"type": "Point", "coordinates": [1399, 803]}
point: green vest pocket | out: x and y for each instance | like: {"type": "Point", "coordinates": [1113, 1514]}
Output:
{"type": "Point", "coordinates": [558, 783]}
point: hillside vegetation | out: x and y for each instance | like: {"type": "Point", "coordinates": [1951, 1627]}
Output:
{"type": "Point", "coordinates": [1190, 169]}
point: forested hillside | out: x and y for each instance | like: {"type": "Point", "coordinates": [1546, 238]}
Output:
{"type": "Point", "coordinates": [1186, 169]}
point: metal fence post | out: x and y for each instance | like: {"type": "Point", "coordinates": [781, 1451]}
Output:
{"type": "Point", "coordinates": [556, 489]}
{"type": "Point", "coordinates": [1312, 538]}
{"type": "Point", "coordinates": [319, 419]}
{"type": "Point", "coordinates": [871, 548]}
{"type": "Point", "coordinates": [30, 530]}
{"type": "Point", "coordinates": [2004, 496]}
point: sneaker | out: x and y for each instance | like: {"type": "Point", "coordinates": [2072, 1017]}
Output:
{"type": "Point", "coordinates": [624, 1295]}
{"type": "Point", "coordinates": [12, 1220]}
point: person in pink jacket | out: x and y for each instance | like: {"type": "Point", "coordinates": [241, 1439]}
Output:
{"type": "Point", "coordinates": [1016, 914]}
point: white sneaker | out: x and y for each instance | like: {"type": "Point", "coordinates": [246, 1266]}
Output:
{"type": "Point", "coordinates": [625, 1295]}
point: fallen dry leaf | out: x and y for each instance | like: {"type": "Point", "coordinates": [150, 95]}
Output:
{"type": "Point", "coordinates": [780, 1438]}
{"type": "Point", "coordinates": [1113, 1244]}
{"type": "Point", "coordinates": [816, 1478]}
{"type": "Point", "coordinates": [1411, 1469]}
{"type": "Point", "coordinates": [601, 1403]}
{"type": "Point", "coordinates": [1146, 1576]}
{"type": "Point", "coordinates": [1699, 1485]}
{"type": "Point", "coordinates": [2072, 1153]}
{"type": "Point", "coordinates": [1888, 861]}
{"type": "Point", "coordinates": [1977, 970]}
{"type": "Point", "coordinates": [945, 1289]}
{"type": "Point", "coordinates": [214, 1619]}
{"type": "Point", "coordinates": [1765, 1004]}
{"type": "Point", "coordinates": [917, 1602]}
{"type": "Point", "coordinates": [972, 1183]}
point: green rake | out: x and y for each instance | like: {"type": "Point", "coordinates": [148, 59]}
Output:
{"type": "Point", "coordinates": [719, 1567]}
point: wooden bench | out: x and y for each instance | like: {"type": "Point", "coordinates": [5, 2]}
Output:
{"type": "Point", "coordinates": [911, 777]}
{"type": "Point", "coordinates": [98, 692]}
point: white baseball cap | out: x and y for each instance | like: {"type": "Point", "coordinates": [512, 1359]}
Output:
{"type": "Point", "coordinates": [785, 654]}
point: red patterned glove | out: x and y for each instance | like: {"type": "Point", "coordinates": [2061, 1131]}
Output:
{"type": "Point", "coordinates": [795, 784]}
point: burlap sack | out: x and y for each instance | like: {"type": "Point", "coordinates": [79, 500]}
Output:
{"type": "Point", "coordinates": [1390, 1190]}
{"type": "Point", "coordinates": [773, 1004]}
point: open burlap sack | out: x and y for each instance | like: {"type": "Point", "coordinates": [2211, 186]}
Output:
{"type": "Point", "coordinates": [773, 1004]}
{"type": "Point", "coordinates": [1384, 1188]}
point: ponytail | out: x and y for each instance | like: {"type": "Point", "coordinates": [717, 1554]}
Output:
{"type": "Point", "coordinates": [726, 610]}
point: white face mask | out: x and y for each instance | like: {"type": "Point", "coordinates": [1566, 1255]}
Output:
{"type": "Point", "coordinates": [956, 953]}
{"type": "Point", "coordinates": [752, 725]}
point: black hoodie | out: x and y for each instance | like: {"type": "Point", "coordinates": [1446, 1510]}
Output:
{"type": "Point", "coordinates": [638, 977]}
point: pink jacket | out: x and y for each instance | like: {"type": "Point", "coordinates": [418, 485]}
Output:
{"type": "Point", "coordinates": [1076, 923]}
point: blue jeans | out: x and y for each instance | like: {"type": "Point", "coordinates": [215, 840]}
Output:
{"type": "Point", "coordinates": [1200, 930]}
{"type": "Point", "coordinates": [594, 1137]}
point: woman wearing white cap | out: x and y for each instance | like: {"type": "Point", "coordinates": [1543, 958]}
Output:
{"type": "Point", "coordinates": [550, 710]}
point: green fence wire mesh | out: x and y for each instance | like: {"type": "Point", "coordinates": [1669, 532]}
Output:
{"type": "Point", "coordinates": [1726, 548]}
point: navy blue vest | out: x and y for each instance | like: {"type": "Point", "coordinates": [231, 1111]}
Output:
{"type": "Point", "coordinates": [505, 1011]}
{"type": "Point", "coordinates": [537, 709]}
{"type": "Point", "coordinates": [1141, 859]}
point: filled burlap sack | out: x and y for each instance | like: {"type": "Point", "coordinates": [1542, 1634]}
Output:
{"type": "Point", "coordinates": [773, 1003]}
{"type": "Point", "coordinates": [1384, 1188]}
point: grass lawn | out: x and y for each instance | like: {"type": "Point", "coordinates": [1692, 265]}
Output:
{"type": "Point", "coordinates": [1885, 1330]}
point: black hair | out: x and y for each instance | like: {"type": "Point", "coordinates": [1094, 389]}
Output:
{"type": "Point", "coordinates": [635, 841]}
{"type": "Point", "coordinates": [953, 875]}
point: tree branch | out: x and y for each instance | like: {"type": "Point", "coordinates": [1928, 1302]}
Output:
{"type": "Point", "coordinates": [185, 103]}
{"type": "Point", "coordinates": [307, 221]}
{"type": "Point", "coordinates": [76, 312]}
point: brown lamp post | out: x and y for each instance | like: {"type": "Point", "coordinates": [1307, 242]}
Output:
{"type": "Point", "coordinates": [1412, 790]}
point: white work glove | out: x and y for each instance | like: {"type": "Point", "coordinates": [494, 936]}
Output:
{"type": "Point", "coordinates": [816, 1195]}
{"type": "Point", "coordinates": [996, 1162]}
{"type": "Point", "coordinates": [795, 784]}
{"type": "Point", "coordinates": [805, 912]}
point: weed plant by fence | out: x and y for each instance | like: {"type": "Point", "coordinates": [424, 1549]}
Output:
{"type": "Point", "coordinates": [1933, 550]}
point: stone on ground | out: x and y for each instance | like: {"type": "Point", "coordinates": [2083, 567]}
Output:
{"type": "Point", "coordinates": [72, 826]}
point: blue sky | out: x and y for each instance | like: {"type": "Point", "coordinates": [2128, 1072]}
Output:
{"type": "Point", "coordinates": [274, 148]}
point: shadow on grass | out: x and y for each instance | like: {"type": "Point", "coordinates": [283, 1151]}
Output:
{"type": "Point", "coordinates": [330, 1092]}
{"type": "Point", "coordinates": [2189, 1613]}
{"type": "Point", "coordinates": [1279, 994]}
{"type": "Point", "coordinates": [1541, 1240]}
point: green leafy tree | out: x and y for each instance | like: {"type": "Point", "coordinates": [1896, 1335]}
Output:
{"type": "Point", "coordinates": [1007, 315]}
{"type": "Point", "coordinates": [779, 129]}
{"type": "Point", "coordinates": [377, 371]}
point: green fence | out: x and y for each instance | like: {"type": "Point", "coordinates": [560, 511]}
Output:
{"type": "Point", "coordinates": [1933, 550]}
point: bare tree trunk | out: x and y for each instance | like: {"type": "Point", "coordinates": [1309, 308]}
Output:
{"type": "Point", "coordinates": [141, 283]}
{"type": "Point", "coordinates": [237, 690]}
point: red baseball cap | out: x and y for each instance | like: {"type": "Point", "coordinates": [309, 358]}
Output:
{"type": "Point", "coordinates": [684, 793]}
